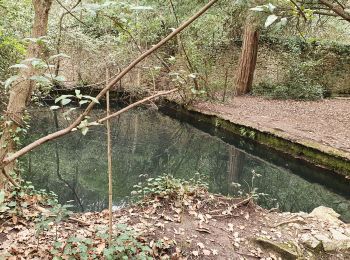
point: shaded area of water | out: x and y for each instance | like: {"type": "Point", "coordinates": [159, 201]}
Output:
{"type": "Point", "coordinates": [147, 143]}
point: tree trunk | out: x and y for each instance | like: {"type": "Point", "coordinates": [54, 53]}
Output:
{"type": "Point", "coordinates": [247, 62]}
{"type": "Point", "coordinates": [21, 91]}
{"type": "Point", "coordinates": [234, 167]}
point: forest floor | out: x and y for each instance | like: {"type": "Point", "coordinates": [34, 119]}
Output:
{"type": "Point", "coordinates": [178, 225]}
{"type": "Point", "coordinates": [326, 122]}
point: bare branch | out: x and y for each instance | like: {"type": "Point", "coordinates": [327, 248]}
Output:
{"type": "Point", "coordinates": [70, 12]}
{"type": "Point", "coordinates": [337, 9]}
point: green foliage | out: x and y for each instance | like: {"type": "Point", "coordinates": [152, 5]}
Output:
{"type": "Point", "coordinates": [247, 133]}
{"type": "Point", "coordinates": [252, 189]}
{"type": "Point", "coordinates": [167, 186]}
{"type": "Point", "coordinates": [297, 85]}
{"type": "Point", "coordinates": [124, 245]}
{"type": "Point", "coordinates": [18, 200]}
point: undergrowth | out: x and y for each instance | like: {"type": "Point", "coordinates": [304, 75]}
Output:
{"type": "Point", "coordinates": [168, 187]}
{"type": "Point", "coordinates": [297, 85]}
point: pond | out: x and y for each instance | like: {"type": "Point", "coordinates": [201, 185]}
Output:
{"type": "Point", "coordinates": [147, 143]}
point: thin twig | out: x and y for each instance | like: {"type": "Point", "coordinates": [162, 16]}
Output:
{"type": "Point", "coordinates": [13, 182]}
{"type": "Point", "coordinates": [73, 15]}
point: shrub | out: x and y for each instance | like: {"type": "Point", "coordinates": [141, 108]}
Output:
{"type": "Point", "coordinates": [296, 85]}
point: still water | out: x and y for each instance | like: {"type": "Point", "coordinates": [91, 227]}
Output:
{"type": "Point", "coordinates": [147, 143]}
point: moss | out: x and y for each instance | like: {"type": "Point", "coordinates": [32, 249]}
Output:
{"type": "Point", "coordinates": [312, 152]}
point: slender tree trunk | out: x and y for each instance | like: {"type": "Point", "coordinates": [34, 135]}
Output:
{"type": "Point", "coordinates": [234, 167]}
{"type": "Point", "coordinates": [247, 62]}
{"type": "Point", "coordinates": [109, 155]}
{"type": "Point", "coordinates": [21, 91]}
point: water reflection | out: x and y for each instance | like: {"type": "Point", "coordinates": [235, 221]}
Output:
{"type": "Point", "coordinates": [146, 144]}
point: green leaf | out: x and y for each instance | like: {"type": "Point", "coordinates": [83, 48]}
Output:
{"type": "Point", "coordinates": [82, 102]}
{"type": "Point", "coordinates": [65, 101]}
{"type": "Point", "coordinates": [84, 130]}
{"type": "Point", "coordinates": [271, 7]}
{"type": "Point", "coordinates": [62, 97]}
{"type": "Point", "coordinates": [92, 99]}
{"type": "Point", "coordinates": [41, 79]}
{"type": "Point", "coordinates": [284, 21]}
{"type": "Point", "coordinates": [54, 107]}
{"type": "Point", "coordinates": [10, 80]}
{"type": "Point", "coordinates": [270, 20]}
{"type": "Point", "coordinates": [38, 63]}
{"type": "Point", "coordinates": [19, 66]}
{"type": "Point", "coordinates": [78, 94]}
{"type": "Point", "coordinates": [194, 91]}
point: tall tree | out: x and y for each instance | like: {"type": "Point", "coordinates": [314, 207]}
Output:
{"type": "Point", "coordinates": [21, 91]}
{"type": "Point", "coordinates": [249, 54]}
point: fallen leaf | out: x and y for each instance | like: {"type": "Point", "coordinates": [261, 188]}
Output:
{"type": "Point", "coordinates": [200, 244]}
{"type": "Point", "coordinates": [195, 253]}
{"type": "Point", "coordinates": [230, 227]}
{"type": "Point", "coordinates": [206, 252]}
{"type": "Point", "coordinates": [100, 248]}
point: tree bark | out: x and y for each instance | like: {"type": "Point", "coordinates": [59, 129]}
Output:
{"type": "Point", "coordinates": [247, 62]}
{"type": "Point", "coordinates": [21, 91]}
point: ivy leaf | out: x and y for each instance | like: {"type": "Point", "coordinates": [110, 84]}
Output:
{"type": "Point", "coordinates": [92, 99]}
{"type": "Point", "coordinates": [84, 130]}
{"type": "Point", "coordinates": [62, 97]}
{"type": "Point", "coordinates": [78, 94]}
{"type": "Point", "coordinates": [82, 102]}
{"type": "Point", "coordinates": [65, 101]}
{"type": "Point", "coordinates": [270, 20]}
{"type": "Point", "coordinates": [19, 66]}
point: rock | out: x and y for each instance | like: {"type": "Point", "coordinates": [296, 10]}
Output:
{"type": "Point", "coordinates": [310, 241]}
{"type": "Point", "coordinates": [337, 235]}
{"type": "Point", "coordinates": [336, 245]}
{"type": "Point", "coordinates": [326, 214]}
{"type": "Point", "coordinates": [338, 242]}
{"type": "Point", "coordinates": [282, 248]}
{"type": "Point", "coordinates": [322, 238]}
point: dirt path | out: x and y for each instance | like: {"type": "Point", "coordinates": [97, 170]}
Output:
{"type": "Point", "coordinates": [326, 122]}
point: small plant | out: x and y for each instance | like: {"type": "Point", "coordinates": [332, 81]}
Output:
{"type": "Point", "coordinates": [247, 133]}
{"type": "Point", "coordinates": [167, 186]}
{"type": "Point", "coordinates": [252, 191]}
{"type": "Point", "coordinates": [125, 245]}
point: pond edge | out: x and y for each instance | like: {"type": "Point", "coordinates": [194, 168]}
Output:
{"type": "Point", "coordinates": [310, 151]}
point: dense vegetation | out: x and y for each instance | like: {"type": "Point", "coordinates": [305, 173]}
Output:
{"type": "Point", "coordinates": [279, 49]}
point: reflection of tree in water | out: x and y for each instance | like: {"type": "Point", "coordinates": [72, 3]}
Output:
{"type": "Point", "coordinates": [148, 143]}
